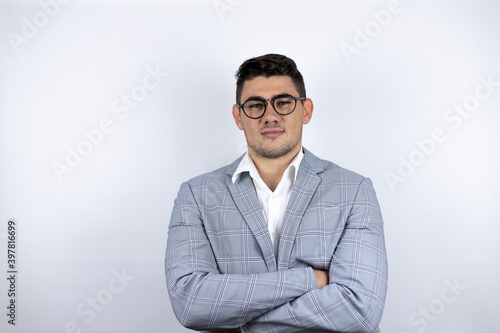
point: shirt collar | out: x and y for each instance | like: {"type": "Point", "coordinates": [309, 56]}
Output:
{"type": "Point", "coordinates": [247, 165]}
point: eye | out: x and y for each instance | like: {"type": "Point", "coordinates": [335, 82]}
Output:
{"type": "Point", "coordinates": [254, 105]}
{"type": "Point", "coordinates": [282, 102]}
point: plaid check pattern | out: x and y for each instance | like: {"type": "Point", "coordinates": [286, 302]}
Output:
{"type": "Point", "coordinates": [221, 271]}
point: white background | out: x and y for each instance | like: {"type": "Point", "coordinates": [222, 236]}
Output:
{"type": "Point", "coordinates": [110, 215]}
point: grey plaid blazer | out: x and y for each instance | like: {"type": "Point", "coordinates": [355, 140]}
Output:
{"type": "Point", "coordinates": [220, 267]}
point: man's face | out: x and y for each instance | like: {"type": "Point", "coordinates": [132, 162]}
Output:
{"type": "Point", "coordinates": [273, 135]}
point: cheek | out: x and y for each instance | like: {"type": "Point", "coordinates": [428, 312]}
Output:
{"type": "Point", "coordinates": [295, 125]}
{"type": "Point", "coordinates": [251, 127]}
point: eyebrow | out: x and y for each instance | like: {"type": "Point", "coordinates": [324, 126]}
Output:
{"type": "Point", "coordinates": [261, 98]}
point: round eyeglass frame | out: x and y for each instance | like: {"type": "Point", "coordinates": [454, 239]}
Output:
{"type": "Point", "coordinates": [242, 105]}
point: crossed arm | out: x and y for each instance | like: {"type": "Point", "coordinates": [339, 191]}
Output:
{"type": "Point", "coordinates": [321, 279]}
{"type": "Point", "coordinates": [348, 298]}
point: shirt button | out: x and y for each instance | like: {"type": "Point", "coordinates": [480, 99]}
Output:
{"type": "Point", "coordinates": [273, 196]}
{"type": "Point", "coordinates": [274, 235]}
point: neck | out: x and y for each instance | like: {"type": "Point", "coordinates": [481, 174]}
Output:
{"type": "Point", "coordinates": [271, 169]}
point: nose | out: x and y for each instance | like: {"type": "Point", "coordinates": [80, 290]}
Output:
{"type": "Point", "coordinates": [270, 114]}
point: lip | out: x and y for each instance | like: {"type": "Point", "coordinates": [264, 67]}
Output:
{"type": "Point", "coordinates": [272, 132]}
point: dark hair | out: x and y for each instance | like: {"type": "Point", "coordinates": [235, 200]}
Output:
{"type": "Point", "coordinates": [269, 65]}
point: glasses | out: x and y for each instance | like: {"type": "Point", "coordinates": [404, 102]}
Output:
{"type": "Point", "coordinates": [255, 107]}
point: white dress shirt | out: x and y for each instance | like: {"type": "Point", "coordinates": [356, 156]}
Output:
{"type": "Point", "coordinates": [273, 203]}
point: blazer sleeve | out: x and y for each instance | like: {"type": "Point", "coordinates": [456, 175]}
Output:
{"type": "Point", "coordinates": [354, 299]}
{"type": "Point", "coordinates": [204, 299]}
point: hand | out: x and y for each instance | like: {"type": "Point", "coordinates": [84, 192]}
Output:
{"type": "Point", "coordinates": [321, 278]}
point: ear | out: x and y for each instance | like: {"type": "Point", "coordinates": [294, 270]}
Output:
{"type": "Point", "coordinates": [308, 110]}
{"type": "Point", "coordinates": [237, 116]}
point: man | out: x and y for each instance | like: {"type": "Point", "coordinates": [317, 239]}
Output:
{"type": "Point", "coordinates": [279, 240]}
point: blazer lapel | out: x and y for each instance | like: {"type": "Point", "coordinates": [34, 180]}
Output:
{"type": "Point", "coordinates": [305, 186]}
{"type": "Point", "coordinates": [245, 197]}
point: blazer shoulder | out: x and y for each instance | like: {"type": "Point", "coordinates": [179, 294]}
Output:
{"type": "Point", "coordinates": [341, 180]}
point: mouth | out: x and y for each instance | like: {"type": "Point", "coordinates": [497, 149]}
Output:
{"type": "Point", "coordinates": [272, 132]}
